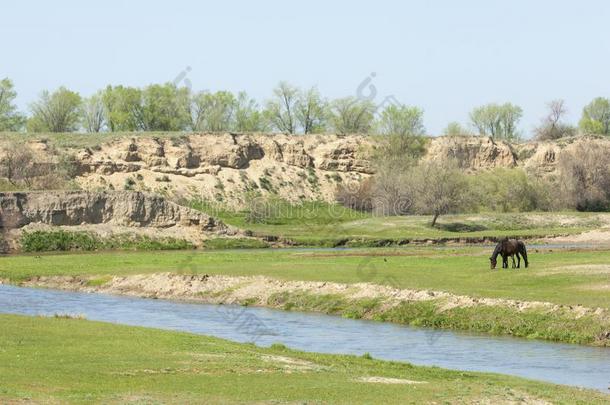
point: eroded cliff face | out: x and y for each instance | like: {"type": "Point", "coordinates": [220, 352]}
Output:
{"type": "Point", "coordinates": [106, 213]}
{"type": "Point", "coordinates": [225, 167]}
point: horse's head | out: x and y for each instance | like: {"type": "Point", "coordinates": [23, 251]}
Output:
{"type": "Point", "coordinates": [493, 261]}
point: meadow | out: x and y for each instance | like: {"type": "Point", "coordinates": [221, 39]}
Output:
{"type": "Point", "coordinates": [68, 360]}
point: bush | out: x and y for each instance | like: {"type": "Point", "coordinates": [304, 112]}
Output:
{"type": "Point", "coordinates": [509, 190]}
{"type": "Point", "coordinates": [585, 177]}
{"type": "Point", "coordinates": [41, 241]}
{"type": "Point", "coordinates": [356, 195]}
{"type": "Point", "coordinates": [51, 241]}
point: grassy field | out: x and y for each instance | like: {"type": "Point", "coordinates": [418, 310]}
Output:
{"type": "Point", "coordinates": [321, 224]}
{"type": "Point", "coordinates": [562, 277]}
{"type": "Point", "coordinates": [78, 361]}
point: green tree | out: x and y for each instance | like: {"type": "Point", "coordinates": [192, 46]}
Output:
{"type": "Point", "coordinates": [310, 111]}
{"type": "Point", "coordinates": [456, 129]}
{"type": "Point", "coordinates": [213, 111]}
{"type": "Point", "coordinates": [497, 120]}
{"type": "Point", "coordinates": [351, 115]}
{"type": "Point", "coordinates": [165, 107]}
{"type": "Point", "coordinates": [10, 119]}
{"type": "Point", "coordinates": [404, 129]}
{"type": "Point", "coordinates": [281, 109]}
{"type": "Point", "coordinates": [94, 114]}
{"type": "Point", "coordinates": [122, 107]}
{"type": "Point", "coordinates": [402, 120]}
{"type": "Point", "coordinates": [596, 117]}
{"type": "Point", "coordinates": [248, 117]}
{"type": "Point", "coordinates": [56, 112]}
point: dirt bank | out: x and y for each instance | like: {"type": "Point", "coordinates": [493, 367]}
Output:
{"type": "Point", "coordinates": [370, 301]}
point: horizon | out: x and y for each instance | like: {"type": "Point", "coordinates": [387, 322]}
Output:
{"type": "Point", "coordinates": [471, 54]}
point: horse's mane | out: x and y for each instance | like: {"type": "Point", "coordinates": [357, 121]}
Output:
{"type": "Point", "coordinates": [497, 250]}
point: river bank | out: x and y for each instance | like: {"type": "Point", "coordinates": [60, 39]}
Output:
{"type": "Point", "coordinates": [427, 308]}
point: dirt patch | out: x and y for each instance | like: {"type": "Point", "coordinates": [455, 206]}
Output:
{"type": "Point", "coordinates": [588, 269]}
{"type": "Point", "coordinates": [291, 364]}
{"type": "Point", "coordinates": [597, 237]}
{"type": "Point", "coordinates": [386, 380]}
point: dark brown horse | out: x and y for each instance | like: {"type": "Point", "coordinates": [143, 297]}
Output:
{"type": "Point", "coordinates": [509, 247]}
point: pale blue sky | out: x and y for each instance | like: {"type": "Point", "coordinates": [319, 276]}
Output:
{"type": "Point", "coordinates": [444, 56]}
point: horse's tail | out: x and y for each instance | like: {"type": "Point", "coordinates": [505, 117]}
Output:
{"type": "Point", "coordinates": [523, 252]}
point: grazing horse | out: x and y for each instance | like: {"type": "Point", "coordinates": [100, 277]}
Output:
{"type": "Point", "coordinates": [509, 247]}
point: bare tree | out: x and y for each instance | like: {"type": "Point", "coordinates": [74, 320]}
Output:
{"type": "Point", "coordinates": [585, 177]}
{"type": "Point", "coordinates": [310, 111]}
{"type": "Point", "coordinates": [281, 109]}
{"type": "Point", "coordinates": [441, 188]}
{"type": "Point", "coordinates": [551, 126]}
{"type": "Point", "coordinates": [94, 114]}
{"type": "Point", "coordinates": [21, 167]}
{"type": "Point", "coordinates": [17, 164]}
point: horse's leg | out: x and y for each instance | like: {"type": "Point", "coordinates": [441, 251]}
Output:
{"type": "Point", "coordinates": [504, 261]}
{"type": "Point", "coordinates": [518, 261]}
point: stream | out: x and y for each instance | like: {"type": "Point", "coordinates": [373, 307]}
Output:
{"type": "Point", "coordinates": [575, 365]}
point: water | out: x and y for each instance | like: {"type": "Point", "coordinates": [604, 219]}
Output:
{"type": "Point", "coordinates": [559, 363]}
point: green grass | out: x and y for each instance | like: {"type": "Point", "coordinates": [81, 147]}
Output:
{"type": "Point", "coordinates": [86, 140]}
{"type": "Point", "coordinates": [234, 243]}
{"type": "Point", "coordinates": [567, 278]}
{"type": "Point", "coordinates": [322, 224]}
{"type": "Point", "coordinates": [563, 277]}
{"type": "Point", "coordinates": [67, 360]}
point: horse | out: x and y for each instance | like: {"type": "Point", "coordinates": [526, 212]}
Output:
{"type": "Point", "coordinates": [509, 247]}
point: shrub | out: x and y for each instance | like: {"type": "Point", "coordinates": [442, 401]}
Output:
{"type": "Point", "coordinates": [40, 241]}
{"type": "Point", "coordinates": [585, 177]}
{"type": "Point", "coordinates": [129, 183]}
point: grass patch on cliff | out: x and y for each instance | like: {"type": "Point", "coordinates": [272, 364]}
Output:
{"type": "Point", "coordinates": [53, 241]}
{"type": "Point", "coordinates": [73, 361]}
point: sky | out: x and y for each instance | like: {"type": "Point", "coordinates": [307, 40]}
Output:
{"type": "Point", "coordinates": [446, 57]}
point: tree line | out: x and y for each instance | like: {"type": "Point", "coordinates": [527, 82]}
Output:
{"type": "Point", "coordinates": [289, 109]}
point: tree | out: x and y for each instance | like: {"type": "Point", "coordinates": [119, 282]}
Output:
{"type": "Point", "coordinates": [456, 129]}
{"type": "Point", "coordinates": [441, 188]}
{"type": "Point", "coordinates": [551, 126]}
{"type": "Point", "coordinates": [596, 117]}
{"type": "Point", "coordinates": [10, 119]}
{"type": "Point", "coordinates": [212, 111]}
{"type": "Point", "coordinates": [123, 108]}
{"type": "Point", "coordinates": [310, 111]}
{"type": "Point", "coordinates": [248, 117]}
{"type": "Point", "coordinates": [350, 115]}
{"type": "Point", "coordinates": [404, 130]}
{"type": "Point", "coordinates": [94, 113]}
{"type": "Point", "coordinates": [18, 165]}
{"type": "Point", "coordinates": [165, 107]}
{"type": "Point", "coordinates": [402, 120]}
{"type": "Point", "coordinates": [281, 108]}
{"type": "Point", "coordinates": [497, 121]}
{"type": "Point", "coordinates": [56, 112]}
